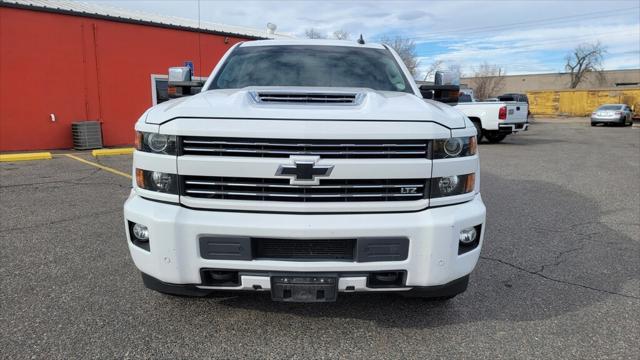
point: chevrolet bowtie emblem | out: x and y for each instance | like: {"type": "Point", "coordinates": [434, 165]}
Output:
{"type": "Point", "coordinates": [304, 170]}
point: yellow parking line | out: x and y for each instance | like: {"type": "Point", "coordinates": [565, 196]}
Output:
{"type": "Point", "coordinates": [102, 167]}
{"type": "Point", "coordinates": [110, 152]}
{"type": "Point", "coordinates": [25, 156]}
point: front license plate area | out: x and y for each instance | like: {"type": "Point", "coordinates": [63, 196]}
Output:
{"type": "Point", "coordinates": [304, 288]}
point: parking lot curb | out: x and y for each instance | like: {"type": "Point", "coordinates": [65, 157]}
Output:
{"type": "Point", "coordinates": [25, 156]}
{"type": "Point", "coordinates": [111, 152]}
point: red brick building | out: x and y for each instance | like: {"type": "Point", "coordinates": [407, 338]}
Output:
{"type": "Point", "coordinates": [62, 62]}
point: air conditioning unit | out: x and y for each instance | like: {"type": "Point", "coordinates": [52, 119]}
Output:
{"type": "Point", "coordinates": [86, 135]}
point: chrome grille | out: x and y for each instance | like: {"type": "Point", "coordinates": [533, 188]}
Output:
{"type": "Point", "coordinates": [329, 190]}
{"type": "Point", "coordinates": [283, 148]}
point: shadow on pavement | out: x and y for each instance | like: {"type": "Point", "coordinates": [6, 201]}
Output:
{"type": "Point", "coordinates": [532, 267]}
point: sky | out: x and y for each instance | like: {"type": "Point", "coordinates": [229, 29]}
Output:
{"type": "Point", "coordinates": [521, 37]}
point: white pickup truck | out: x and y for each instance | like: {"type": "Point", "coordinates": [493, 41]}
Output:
{"type": "Point", "coordinates": [494, 120]}
{"type": "Point", "coordinates": [305, 169]}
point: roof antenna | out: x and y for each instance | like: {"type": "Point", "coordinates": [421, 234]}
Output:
{"type": "Point", "coordinates": [361, 40]}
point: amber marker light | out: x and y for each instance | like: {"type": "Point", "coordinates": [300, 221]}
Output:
{"type": "Point", "coordinates": [139, 139]}
{"type": "Point", "coordinates": [140, 178]}
{"type": "Point", "coordinates": [470, 183]}
{"type": "Point", "coordinates": [473, 145]}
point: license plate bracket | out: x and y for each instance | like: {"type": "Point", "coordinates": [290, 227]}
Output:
{"type": "Point", "coordinates": [304, 288]}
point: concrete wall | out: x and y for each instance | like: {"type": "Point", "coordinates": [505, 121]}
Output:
{"type": "Point", "coordinates": [560, 81]}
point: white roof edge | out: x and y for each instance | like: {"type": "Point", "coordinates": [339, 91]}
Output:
{"type": "Point", "coordinates": [92, 9]}
{"type": "Point", "coordinates": [323, 42]}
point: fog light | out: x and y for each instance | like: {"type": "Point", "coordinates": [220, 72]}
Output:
{"type": "Point", "coordinates": [141, 232]}
{"type": "Point", "coordinates": [448, 184]}
{"type": "Point", "coordinates": [467, 236]}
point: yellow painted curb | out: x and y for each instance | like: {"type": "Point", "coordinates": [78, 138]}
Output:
{"type": "Point", "coordinates": [25, 157]}
{"type": "Point", "coordinates": [110, 152]}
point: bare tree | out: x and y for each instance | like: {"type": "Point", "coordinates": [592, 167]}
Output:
{"type": "Point", "coordinates": [584, 59]}
{"type": "Point", "coordinates": [312, 33]}
{"type": "Point", "coordinates": [456, 69]}
{"type": "Point", "coordinates": [341, 35]}
{"type": "Point", "coordinates": [487, 80]}
{"type": "Point", "coordinates": [406, 49]}
{"type": "Point", "coordinates": [431, 70]}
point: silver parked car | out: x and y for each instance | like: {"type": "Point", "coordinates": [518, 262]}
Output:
{"type": "Point", "coordinates": [620, 114]}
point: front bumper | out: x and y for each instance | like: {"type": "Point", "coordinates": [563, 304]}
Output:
{"type": "Point", "coordinates": [611, 119]}
{"type": "Point", "coordinates": [173, 256]}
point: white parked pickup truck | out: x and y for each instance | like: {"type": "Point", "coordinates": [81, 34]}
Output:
{"type": "Point", "coordinates": [494, 120]}
{"type": "Point", "coordinates": [305, 169]}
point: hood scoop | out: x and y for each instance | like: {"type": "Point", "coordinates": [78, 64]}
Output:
{"type": "Point", "coordinates": [305, 97]}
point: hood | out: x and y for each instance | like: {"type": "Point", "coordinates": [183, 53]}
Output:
{"type": "Point", "coordinates": [292, 103]}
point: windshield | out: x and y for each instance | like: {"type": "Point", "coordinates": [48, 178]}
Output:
{"type": "Point", "coordinates": [610, 107]}
{"type": "Point", "coordinates": [311, 65]}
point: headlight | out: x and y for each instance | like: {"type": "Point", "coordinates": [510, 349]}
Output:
{"type": "Point", "coordinates": [452, 185]}
{"type": "Point", "coordinates": [454, 147]}
{"type": "Point", "coordinates": [156, 143]}
{"type": "Point", "coordinates": [157, 181]}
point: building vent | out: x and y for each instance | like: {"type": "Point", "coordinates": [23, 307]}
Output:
{"type": "Point", "coordinates": [86, 135]}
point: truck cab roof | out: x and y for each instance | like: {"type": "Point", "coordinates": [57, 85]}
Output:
{"type": "Point", "coordinates": [317, 42]}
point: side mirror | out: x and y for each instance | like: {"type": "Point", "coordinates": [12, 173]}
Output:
{"type": "Point", "coordinates": [447, 78]}
{"type": "Point", "coordinates": [448, 94]}
{"type": "Point", "coordinates": [446, 88]}
{"type": "Point", "coordinates": [179, 74]}
{"type": "Point", "coordinates": [427, 94]}
{"type": "Point", "coordinates": [181, 82]}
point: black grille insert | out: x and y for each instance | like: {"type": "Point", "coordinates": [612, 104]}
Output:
{"type": "Point", "coordinates": [318, 249]}
{"type": "Point", "coordinates": [283, 148]}
{"type": "Point", "coordinates": [307, 98]}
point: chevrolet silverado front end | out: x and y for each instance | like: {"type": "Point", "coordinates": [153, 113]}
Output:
{"type": "Point", "coordinates": [306, 168]}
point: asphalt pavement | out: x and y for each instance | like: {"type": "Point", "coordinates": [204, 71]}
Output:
{"type": "Point", "coordinates": [559, 275]}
